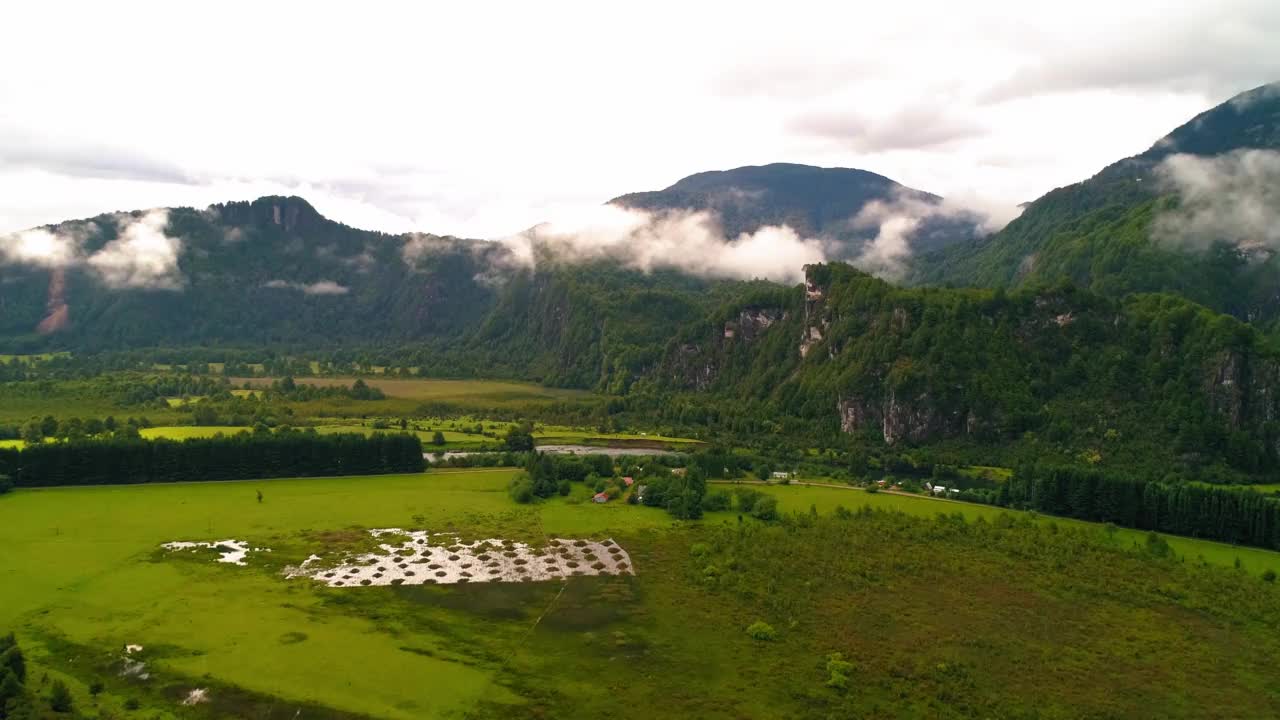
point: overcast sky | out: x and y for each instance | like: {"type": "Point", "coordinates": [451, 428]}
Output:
{"type": "Point", "coordinates": [480, 119]}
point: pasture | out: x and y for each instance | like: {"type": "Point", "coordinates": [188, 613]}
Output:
{"type": "Point", "coordinates": [799, 498]}
{"type": "Point", "coordinates": [938, 617]}
{"type": "Point", "coordinates": [462, 393]}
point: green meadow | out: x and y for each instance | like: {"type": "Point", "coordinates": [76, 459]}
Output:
{"type": "Point", "coordinates": [799, 498]}
{"type": "Point", "coordinates": [938, 616]}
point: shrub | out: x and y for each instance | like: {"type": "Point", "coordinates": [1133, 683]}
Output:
{"type": "Point", "coordinates": [718, 500]}
{"type": "Point", "coordinates": [838, 670]}
{"type": "Point", "coordinates": [521, 489]}
{"type": "Point", "coordinates": [1269, 575]}
{"type": "Point", "coordinates": [60, 697]}
{"type": "Point", "coordinates": [563, 488]}
{"type": "Point", "coordinates": [766, 508]}
{"type": "Point", "coordinates": [6, 484]}
{"type": "Point", "coordinates": [132, 704]}
{"type": "Point", "coordinates": [762, 631]}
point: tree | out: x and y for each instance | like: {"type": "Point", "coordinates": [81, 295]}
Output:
{"type": "Point", "coordinates": [437, 438]}
{"type": "Point", "coordinates": [10, 688]}
{"type": "Point", "coordinates": [6, 484]}
{"type": "Point", "coordinates": [13, 661]}
{"type": "Point", "coordinates": [32, 433]}
{"type": "Point", "coordinates": [49, 426]}
{"type": "Point", "coordinates": [520, 439]}
{"type": "Point", "coordinates": [60, 697]}
{"type": "Point", "coordinates": [521, 489]}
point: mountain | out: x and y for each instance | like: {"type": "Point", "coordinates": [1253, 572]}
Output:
{"type": "Point", "coordinates": [815, 202]}
{"type": "Point", "coordinates": [1147, 381]}
{"type": "Point", "coordinates": [267, 272]}
{"type": "Point", "coordinates": [1175, 218]}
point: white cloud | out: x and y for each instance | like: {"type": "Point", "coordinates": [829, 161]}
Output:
{"type": "Point", "coordinates": [40, 247]}
{"type": "Point", "coordinates": [690, 241]}
{"type": "Point", "coordinates": [1232, 198]}
{"type": "Point", "coordinates": [143, 256]}
{"type": "Point", "coordinates": [322, 287]}
{"type": "Point", "coordinates": [574, 103]}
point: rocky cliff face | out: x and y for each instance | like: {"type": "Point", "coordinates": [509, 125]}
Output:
{"type": "Point", "coordinates": [1243, 389]}
{"type": "Point", "coordinates": [697, 366]}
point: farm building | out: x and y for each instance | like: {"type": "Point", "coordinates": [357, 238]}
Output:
{"type": "Point", "coordinates": [600, 498]}
{"type": "Point", "coordinates": [781, 475]}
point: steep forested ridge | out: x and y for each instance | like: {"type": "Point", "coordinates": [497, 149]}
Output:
{"type": "Point", "coordinates": [1090, 378]}
{"type": "Point", "coordinates": [1099, 233]}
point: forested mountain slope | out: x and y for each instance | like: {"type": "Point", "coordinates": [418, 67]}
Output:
{"type": "Point", "coordinates": [1150, 379]}
{"type": "Point", "coordinates": [815, 202]}
{"type": "Point", "coordinates": [1175, 218]}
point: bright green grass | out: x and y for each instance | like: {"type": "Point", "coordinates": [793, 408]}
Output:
{"type": "Point", "coordinates": [485, 393]}
{"type": "Point", "coordinates": [32, 358]}
{"type": "Point", "coordinates": [183, 432]}
{"type": "Point", "coordinates": [451, 438]}
{"type": "Point", "coordinates": [798, 498]}
{"type": "Point", "coordinates": [12, 444]}
{"type": "Point", "coordinates": [78, 562]}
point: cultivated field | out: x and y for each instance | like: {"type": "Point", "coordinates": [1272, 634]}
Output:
{"type": "Point", "coordinates": [941, 619]}
{"type": "Point", "coordinates": [465, 393]}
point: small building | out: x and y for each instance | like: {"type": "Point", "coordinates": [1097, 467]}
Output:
{"type": "Point", "coordinates": [679, 471]}
{"type": "Point", "coordinates": [882, 483]}
{"type": "Point", "coordinates": [782, 475]}
{"type": "Point", "coordinates": [640, 492]}
{"type": "Point", "coordinates": [600, 497]}
{"type": "Point", "coordinates": [939, 490]}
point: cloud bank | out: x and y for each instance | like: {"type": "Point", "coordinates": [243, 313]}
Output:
{"type": "Point", "coordinates": [142, 256]}
{"type": "Point", "coordinates": [901, 227]}
{"type": "Point", "coordinates": [323, 287]}
{"type": "Point", "coordinates": [689, 241]}
{"type": "Point", "coordinates": [1232, 198]}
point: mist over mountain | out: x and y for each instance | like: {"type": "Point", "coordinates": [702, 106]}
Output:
{"type": "Point", "coordinates": [854, 215]}
{"type": "Point", "coordinates": [1195, 214]}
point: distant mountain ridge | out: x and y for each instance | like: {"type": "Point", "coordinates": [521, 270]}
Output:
{"type": "Point", "coordinates": [816, 202]}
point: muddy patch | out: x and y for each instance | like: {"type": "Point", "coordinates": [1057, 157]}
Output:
{"type": "Point", "coordinates": [421, 558]}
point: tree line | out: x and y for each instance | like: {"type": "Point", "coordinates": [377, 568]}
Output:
{"type": "Point", "coordinates": [1230, 515]}
{"type": "Point", "coordinates": [238, 457]}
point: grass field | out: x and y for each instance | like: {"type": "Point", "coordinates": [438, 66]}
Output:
{"type": "Point", "coordinates": [465, 393]}
{"type": "Point", "coordinates": [942, 621]}
{"type": "Point", "coordinates": [184, 432]}
{"type": "Point", "coordinates": [799, 498]}
{"type": "Point", "coordinates": [12, 444]}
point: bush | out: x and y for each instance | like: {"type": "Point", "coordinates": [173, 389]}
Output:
{"type": "Point", "coordinates": [719, 500]}
{"type": "Point", "coordinates": [5, 484]}
{"type": "Point", "coordinates": [1269, 575]}
{"type": "Point", "coordinates": [838, 670]}
{"type": "Point", "coordinates": [60, 697]}
{"type": "Point", "coordinates": [766, 508]}
{"type": "Point", "coordinates": [521, 489]}
{"type": "Point", "coordinates": [564, 488]}
{"type": "Point", "coordinates": [762, 631]}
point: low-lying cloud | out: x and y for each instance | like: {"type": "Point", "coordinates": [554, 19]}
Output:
{"type": "Point", "coordinates": [322, 287]}
{"type": "Point", "coordinates": [1232, 198]}
{"type": "Point", "coordinates": [692, 242]}
{"type": "Point", "coordinates": [142, 255]}
{"type": "Point", "coordinates": [900, 226]}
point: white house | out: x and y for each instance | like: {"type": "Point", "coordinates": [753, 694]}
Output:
{"type": "Point", "coordinates": [782, 475]}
